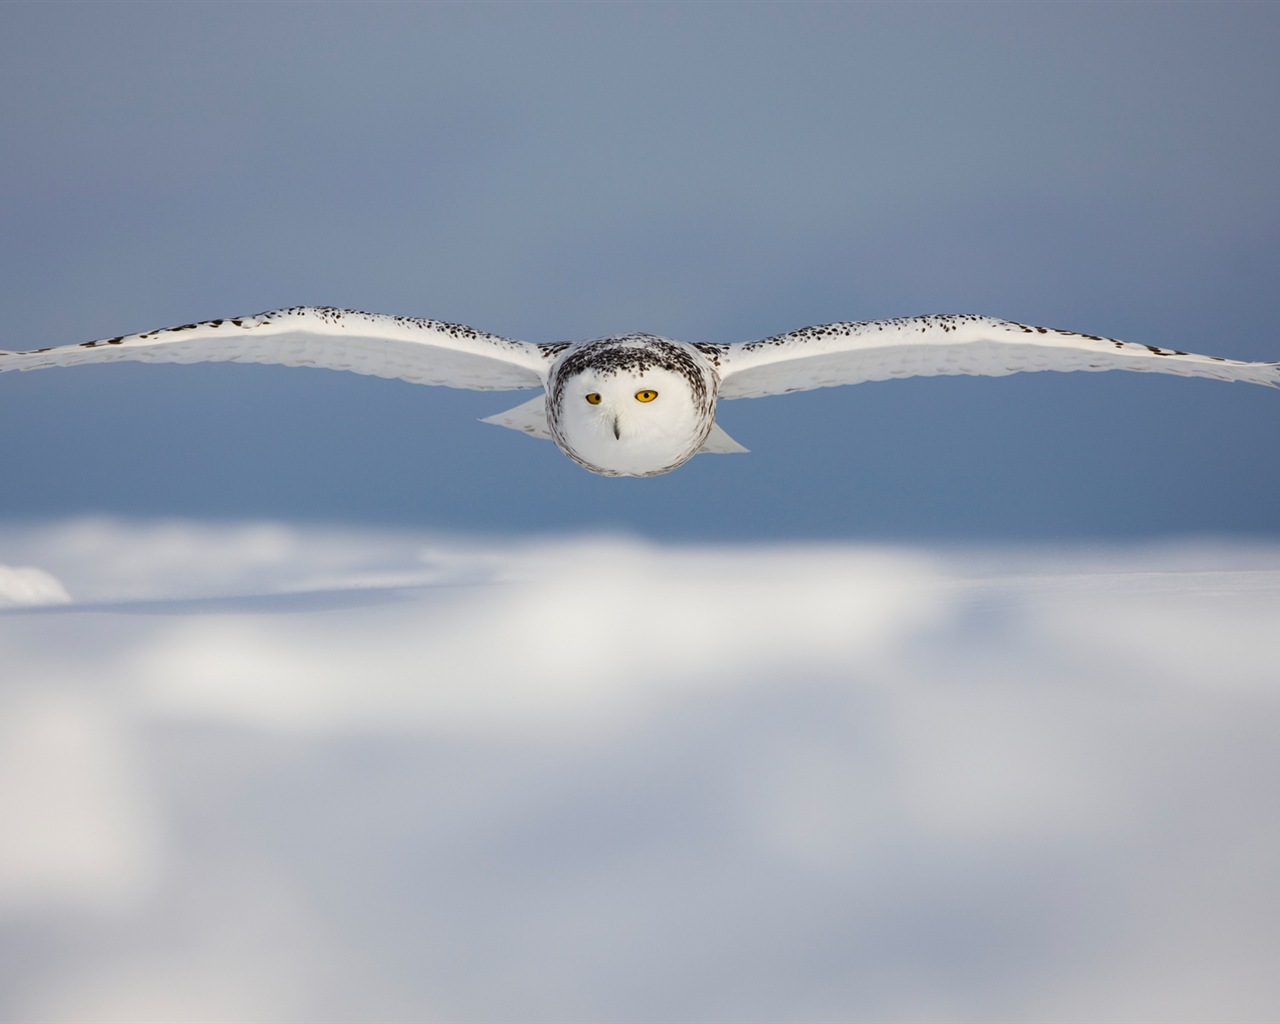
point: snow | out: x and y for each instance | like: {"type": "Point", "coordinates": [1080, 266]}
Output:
{"type": "Point", "coordinates": [24, 585]}
{"type": "Point", "coordinates": [260, 772]}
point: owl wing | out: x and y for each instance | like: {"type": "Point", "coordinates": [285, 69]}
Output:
{"type": "Point", "coordinates": [851, 353]}
{"type": "Point", "coordinates": [406, 348]}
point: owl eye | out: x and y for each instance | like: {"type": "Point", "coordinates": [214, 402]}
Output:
{"type": "Point", "coordinates": [646, 395]}
{"type": "Point", "coordinates": [594, 398]}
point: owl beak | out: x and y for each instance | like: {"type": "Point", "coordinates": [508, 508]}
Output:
{"type": "Point", "coordinates": [617, 433]}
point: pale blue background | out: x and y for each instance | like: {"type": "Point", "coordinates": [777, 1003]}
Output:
{"type": "Point", "coordinates": [710, 172]}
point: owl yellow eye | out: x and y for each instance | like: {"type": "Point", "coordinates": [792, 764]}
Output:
{"type": "Point", "coordinates": [646, 395]}
{"type": "Point", "coordinates": [594, 398]}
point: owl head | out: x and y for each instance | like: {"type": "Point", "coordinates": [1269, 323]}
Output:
{"type": "Point", "coordinates": [631, 406]}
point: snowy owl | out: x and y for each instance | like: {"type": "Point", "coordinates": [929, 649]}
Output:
{"type": "Point", "coordinates": [636, 404]}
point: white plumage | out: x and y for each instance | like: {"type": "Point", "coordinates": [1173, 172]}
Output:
{"type": "Point", "coordinates": [636, 405]}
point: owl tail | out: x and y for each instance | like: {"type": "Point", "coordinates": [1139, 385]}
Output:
{"type": "Point", "coordinates": [530, 418]}
{"type": "Point", "coordinates": [720, 443]}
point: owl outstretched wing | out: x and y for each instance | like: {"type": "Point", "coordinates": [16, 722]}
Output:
{"type": "Point", "coordinates": [405, 348]}
{"type": "Point", "coordinates": [851, 353]}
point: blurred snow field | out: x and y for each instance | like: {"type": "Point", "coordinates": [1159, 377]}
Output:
{"type": "Point", "coordinates": [258, 772]}
{"type": "Point", "coordinates": [23, 585]}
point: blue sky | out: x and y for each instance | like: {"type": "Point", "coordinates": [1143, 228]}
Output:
{"type": "Point", "coordinates": [710, 172]}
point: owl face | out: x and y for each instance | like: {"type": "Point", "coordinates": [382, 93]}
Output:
{"type": "Point", "coordinates": [618, 411]}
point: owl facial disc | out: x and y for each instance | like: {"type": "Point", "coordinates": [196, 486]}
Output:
{"type": "Point", "coordinates": [631, 406]}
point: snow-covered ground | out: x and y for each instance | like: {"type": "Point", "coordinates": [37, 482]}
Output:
{"type": "Point", "coordinates": [267, 773]}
